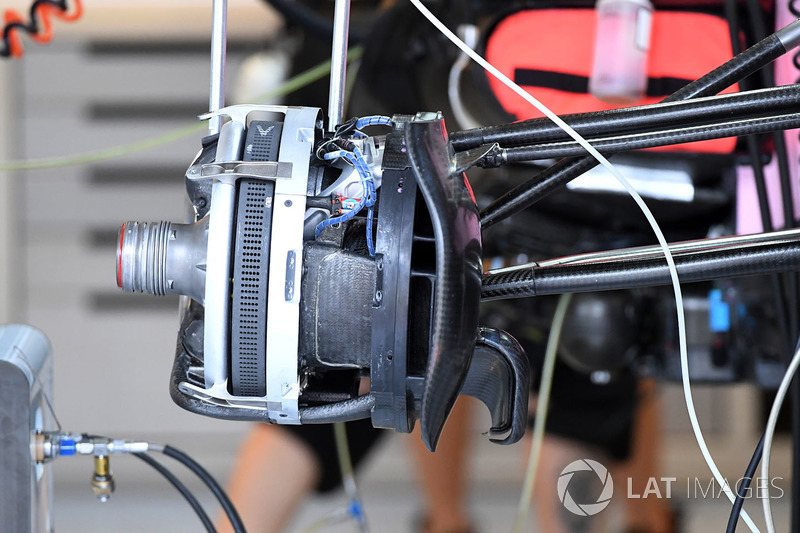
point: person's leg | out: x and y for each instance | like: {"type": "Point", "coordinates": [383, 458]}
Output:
{"type": "Point", "coordinates": [645, 515]}
{"type": "Point", "coordinates": [443, 476]}
{"type": "Point", "coordinates": [274, 471]}
{"type": "Point", "coordinates": [586, 420]}
{"type": "Point", "coordinates": [552, 516]}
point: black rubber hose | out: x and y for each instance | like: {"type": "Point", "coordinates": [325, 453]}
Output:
{"type": "Point", "coordinates": [738, 503]}
{"type": "Point", "coordinates": [190, 498]}
{"type": "Point", "coordinates": [718, 263]}
{"type": "Point", "coordinates": [211, 483]}
{"type": "Point", "coordinates": [638, 141]}
{"type": "Point", "coordinates": [643, 118]}
{"type": "Point", "coordinates": [346, 411]}
{"type": "Point", "coordinates": [742, 65]}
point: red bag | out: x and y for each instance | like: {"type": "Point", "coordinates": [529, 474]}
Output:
{"type": "Point", "coordinates": [549, 52]}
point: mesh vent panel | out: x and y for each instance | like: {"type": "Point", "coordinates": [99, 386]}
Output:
{"type": "Point", "coordinates": [251, 266]}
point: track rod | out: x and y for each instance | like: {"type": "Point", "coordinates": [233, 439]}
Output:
{"type": "Point", "coordinates": [702, 260]}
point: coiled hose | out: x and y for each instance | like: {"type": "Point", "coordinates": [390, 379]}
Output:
{"type": "Point", "coordinates": [38, 26]}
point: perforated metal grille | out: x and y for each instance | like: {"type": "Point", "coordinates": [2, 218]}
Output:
{"type": "Point", "coordinates": [251, 270]}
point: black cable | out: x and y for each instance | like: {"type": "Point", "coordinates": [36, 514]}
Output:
{"type": "Point", "coordinates": [190, 498]}
{"type": "Point", "coordinates": [211, 483]}
{"type": "Point", "coordinates": [738, 503]}
{"type": "Point", "coordinates": [651, 139]}
{"type": "Point", "coordinates": [736, 510]}
{"type": "Point", "coordinates": [745, 104]}
{"type": "Point", "coordinates": [551, 179]}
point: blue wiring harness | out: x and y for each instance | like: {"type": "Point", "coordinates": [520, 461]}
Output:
{"type": "Point", "coordinates": [350, 153]}
{"type": "Point", "coordinates": [376, 120]}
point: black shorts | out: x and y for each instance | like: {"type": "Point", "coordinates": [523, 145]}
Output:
{"type": "Point", "coordinates": [361, 437]}
{"type": "Point", "coordinates": [599, 415]}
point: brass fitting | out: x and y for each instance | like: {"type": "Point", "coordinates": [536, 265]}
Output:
{"type": "Point", "coordinates": [38, 448]}
{"type": "Point", "coordinates": [102, 480]}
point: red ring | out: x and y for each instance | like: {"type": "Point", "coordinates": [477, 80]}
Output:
{"type": "Point", "coordinates": [119, 257]}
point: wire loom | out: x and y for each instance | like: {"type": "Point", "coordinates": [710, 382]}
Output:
{"type": "Point", "coordinates": [39, 26]}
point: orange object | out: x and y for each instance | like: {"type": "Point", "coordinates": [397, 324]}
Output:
{"type": "Point", "coordinates": [42, 11]}
{"type": "Point", "coordinates": [549, 52]}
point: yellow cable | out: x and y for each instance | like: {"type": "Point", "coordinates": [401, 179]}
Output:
{"type": "Point", "coordinates": [542, 403]}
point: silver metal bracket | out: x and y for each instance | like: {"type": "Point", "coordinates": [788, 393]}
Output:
{"type": "Point", "coordinates": [290, 174]}
{"type": "Point", "coordinates": [229, 172]}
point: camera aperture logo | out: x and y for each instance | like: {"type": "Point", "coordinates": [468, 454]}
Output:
{"type": "Point", "coordinates": [585, 509]}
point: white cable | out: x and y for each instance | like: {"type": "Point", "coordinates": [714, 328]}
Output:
{"type": "Point", "coordinates": [542, 403]}
{"type": "Point", "coordinates": [673, 271]}
{"type": "Point", "coordinates": [769, 433]}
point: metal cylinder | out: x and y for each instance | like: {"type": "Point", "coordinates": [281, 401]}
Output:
{"type": "Point", "coordinates": [140, 264]}
{"type": "Point", "coordinates": [163, 258]}
{"type": "Point", "coordinates": [219, 44]}
{"type": "Point", "coordinates": [341, 26]}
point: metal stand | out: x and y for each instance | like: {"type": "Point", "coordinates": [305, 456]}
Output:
{"type": "Point", "coordinates": [219, 45]}
{"type": "Point", "coordinates": [341, 30]}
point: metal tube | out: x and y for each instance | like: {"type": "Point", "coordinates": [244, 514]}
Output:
{"type": "Point", "coordinates": [341, 29]}
{"type": "Point", "coordinates": [216, 99]}
{"type": "Point", "coordinates": [789, 35]}
{"type": "Point", "coordinates": [655, 252]}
